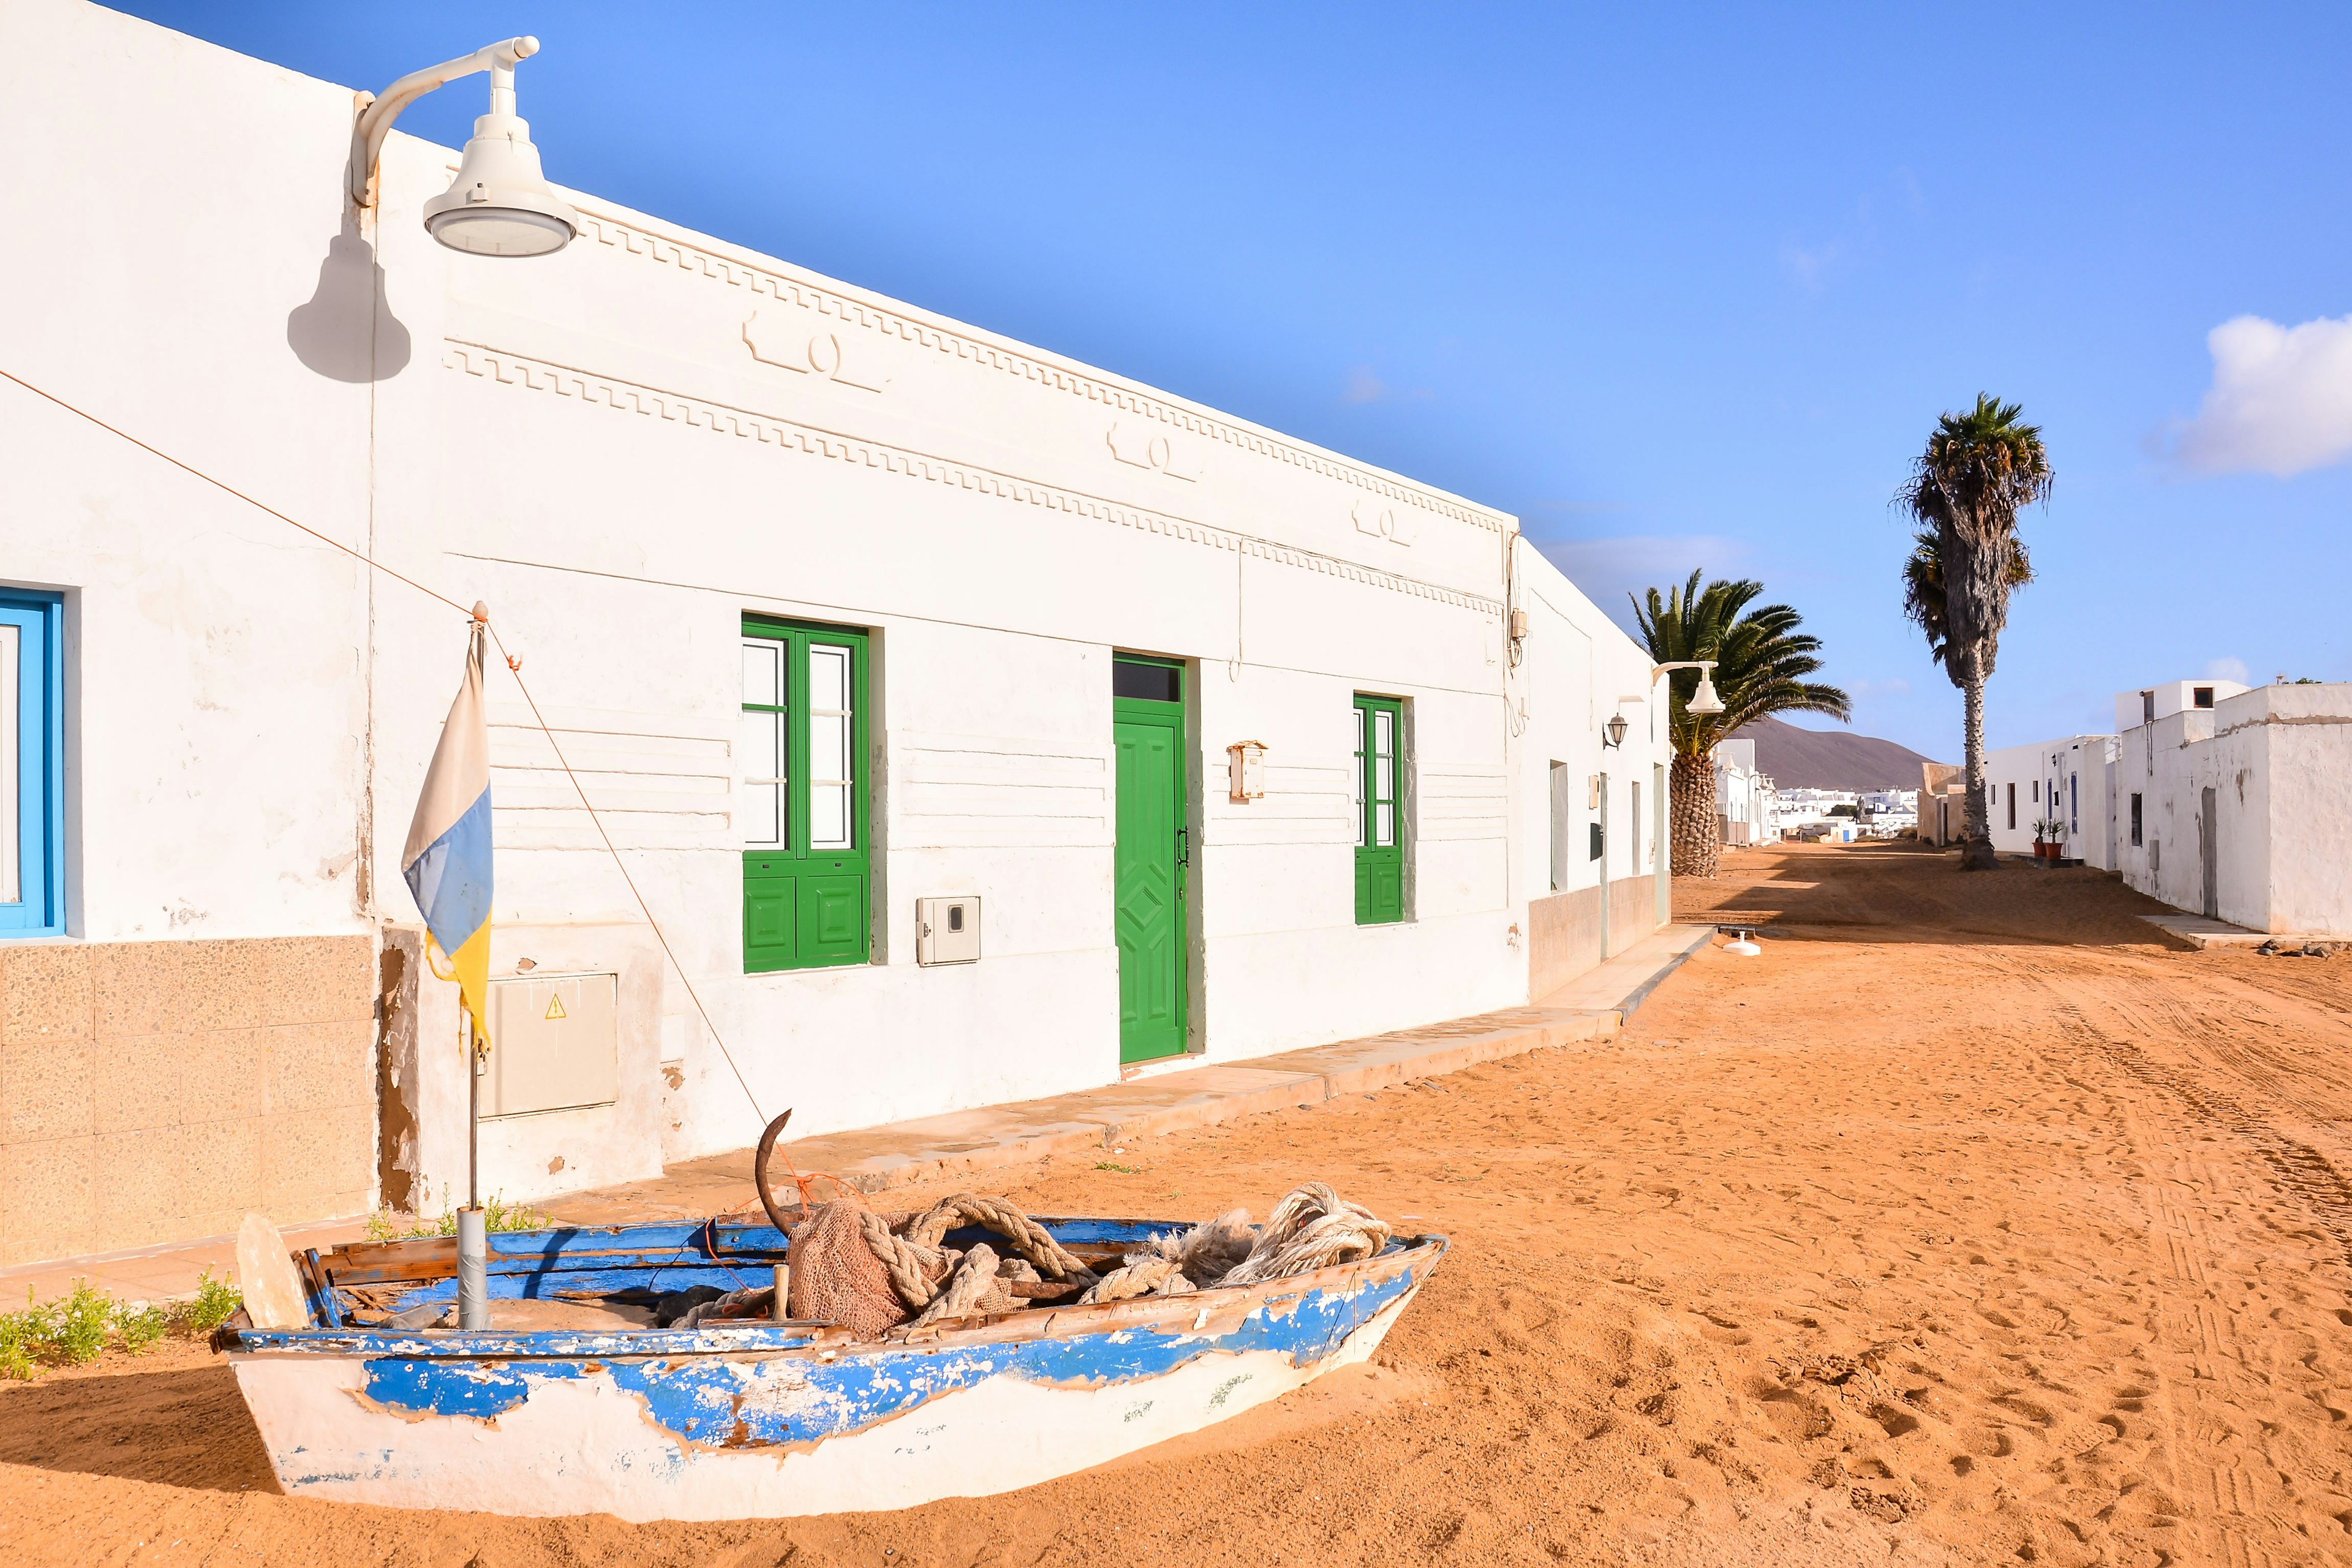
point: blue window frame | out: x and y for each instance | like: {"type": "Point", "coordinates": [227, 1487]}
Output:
{"type": "Point", "coordinates": [32, 764]}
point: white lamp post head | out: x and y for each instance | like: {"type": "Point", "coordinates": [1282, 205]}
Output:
{"type": "Point", "coordinates": [500, 204]}
{"type": "Point", "coordinates": [1705, 701]}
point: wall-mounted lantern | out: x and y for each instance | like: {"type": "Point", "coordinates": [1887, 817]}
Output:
{"type": "Point", "coordinates": [500, 204]}
{"type": "Point", "coordinates": [1245, 768]}
{"type": "Point", "coordinates": [1612, 733]}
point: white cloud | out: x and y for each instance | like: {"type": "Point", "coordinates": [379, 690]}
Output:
{"type": "Point", "coordinates": [1364, 386]}
{"type": "Point", "coordinates": [2281, 400]}
{"type": "Point", "coordinates": [1810, 266]}
{"type": "Point", "coordinates": [2228, 669]}
{"type": "Point", "coordinates": [1609, 569]}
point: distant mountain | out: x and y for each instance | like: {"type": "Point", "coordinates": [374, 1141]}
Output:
{"type": "Point", "coordinates": [1829, 758]}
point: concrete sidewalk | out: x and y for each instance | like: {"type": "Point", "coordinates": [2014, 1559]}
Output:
{"type": "Point", "coordinates": [2203, 931]}
{"type": "Point", "coordinates": [970, 1143]}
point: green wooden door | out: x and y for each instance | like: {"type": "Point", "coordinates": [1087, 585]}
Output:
{"type": "Point", "coordinates": [1150, 863]}
{"type": "Point", "coordinates": [802, 783]}
{"type": "Point", "coordinates": [1379, 811]}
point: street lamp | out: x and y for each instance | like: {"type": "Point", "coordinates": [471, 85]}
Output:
{"type": "Point", "coordinates": [1703, 700]}
{"type": "Point", "coordinates": [500, 204]}
{"type": "Point", "coordinates": [1613, 732]}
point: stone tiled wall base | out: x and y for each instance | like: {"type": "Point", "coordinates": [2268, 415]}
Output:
{"type": "Point", "coordinates": [1632, 911]}
{"type": "Point", "coordinates": [1564, 930]}
{"type": "Point", "coordinates": [156, 1092]}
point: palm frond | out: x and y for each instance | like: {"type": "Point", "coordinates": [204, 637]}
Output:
{"type": "Point", "coordinates": [1979, 470]}
{"type": "Point", "coordinates": [1761, 659]}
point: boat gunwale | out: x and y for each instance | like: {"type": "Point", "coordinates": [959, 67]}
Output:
{"type": "Point", "coordinates": [765, 1339]}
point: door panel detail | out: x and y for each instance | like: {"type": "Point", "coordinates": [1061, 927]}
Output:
{"type": "Point", "coordinates": [1150, 875]}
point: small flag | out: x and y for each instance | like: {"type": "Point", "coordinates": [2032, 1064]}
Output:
{"type": "Point", "coordinates": [447, 861]}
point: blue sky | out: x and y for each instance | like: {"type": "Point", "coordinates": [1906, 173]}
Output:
{"type": "Point", "coordinates": [1679, 288]}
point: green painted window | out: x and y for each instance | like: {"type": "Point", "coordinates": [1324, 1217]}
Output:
{"type": "Point", "coordinates": [801, 790]}
{"type": "Point", "coordinates": [1380, 810]}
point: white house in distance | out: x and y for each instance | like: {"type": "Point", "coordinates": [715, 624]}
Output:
{"type": "Point", "coordinates": [1224, 743]}
{"type": "Point", "coordinates": [2063, 781]}
{"type": "Point", "coordinates": [2214, 797]}
{"type": "Point", "coordinates": [1747, 806]}
{"type": "Point", "coordinates": [2237, 803]}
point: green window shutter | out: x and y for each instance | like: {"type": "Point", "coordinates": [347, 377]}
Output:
{"type": "Point", "coordinates": [801, 779]}
{"type": "Point", "coordinates": [770, 923]}
{"type": "Point", "coordinates": [1380, 810]}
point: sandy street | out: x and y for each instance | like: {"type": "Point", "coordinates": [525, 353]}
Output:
{"type": "Point", "coordinates": [1970, 1224]}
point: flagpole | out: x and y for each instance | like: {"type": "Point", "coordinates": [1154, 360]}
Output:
{"type": "Point", "coordinates": [473, 1231]}
{"type": "Point", "coordinates": [473, 1118]}
{"type": "Point", "coordinates": [447, 864]}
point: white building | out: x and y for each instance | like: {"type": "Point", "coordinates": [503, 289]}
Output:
{"type": "Point", "coordinates": [832, 605]}
{"type": "Point", "coordinates": [2237, 803]}
{"type": "Point", "coordinates": [2215, 798]}
{"type": "Point", "coordinates": [1747, 806]}
{"type": "Point", "coordinates": [2062, 782]}
{"type": "Point", "coordinates": [1942, 803]}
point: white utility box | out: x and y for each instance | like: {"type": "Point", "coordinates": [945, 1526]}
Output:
{"type": "Point", "coordinates": [947, 930]}
{"type": "Point", "coordinates": [554, 1044]}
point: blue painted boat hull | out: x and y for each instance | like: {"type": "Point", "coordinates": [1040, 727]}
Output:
{"type": "Point", "coordinates": [762, 1420]}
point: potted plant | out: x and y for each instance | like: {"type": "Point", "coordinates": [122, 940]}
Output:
{"type": "Point", "coordinates": [2049, 838]}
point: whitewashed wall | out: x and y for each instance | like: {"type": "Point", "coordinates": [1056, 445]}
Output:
{"type": "Point", "coordinates": [1576, 669]}
{"type": "Point", "coordinates": [623, 449]}
{"type": "Point", "coordinates": [2279, 761]}
{"type": "Point", "coordinates": [157, 277]}
{"type": "Point", "coordinates": [2041, 774]}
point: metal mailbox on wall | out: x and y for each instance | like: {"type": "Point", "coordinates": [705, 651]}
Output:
{"type": "Point", "coordinates": [555, 1044]}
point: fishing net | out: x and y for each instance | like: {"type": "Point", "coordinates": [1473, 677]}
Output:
{"type": "Point", "coordinates": [869, 1272]}
{"type": "Point", "coordinates": [837, 1279]}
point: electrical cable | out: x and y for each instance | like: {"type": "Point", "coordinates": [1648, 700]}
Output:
{"type": "Point", "coordinates": [514, 668]}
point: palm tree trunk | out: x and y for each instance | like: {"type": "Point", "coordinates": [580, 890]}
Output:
{"type": "Point", "coordinates": [1976, 845]}
{"type": "Point", "coordinates": [1697, 834]}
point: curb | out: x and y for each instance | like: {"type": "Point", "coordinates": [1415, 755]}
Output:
{"type": "Point", "coordinates": [992, 1138]}
{"type": "Point", "coordinates": [1245, 1088]}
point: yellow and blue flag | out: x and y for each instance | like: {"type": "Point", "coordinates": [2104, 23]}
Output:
{"type": "Point", "coordinates": [447, 861]}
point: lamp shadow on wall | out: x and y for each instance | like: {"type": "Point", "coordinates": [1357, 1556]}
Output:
{"type": "Point", "coordinates": [344, 330]}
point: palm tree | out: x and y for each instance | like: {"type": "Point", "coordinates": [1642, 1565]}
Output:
{"type": "Point", "coordinates": [1761, 663]}
{"type": "Point", "coordinates": [1979, 470]}
{"type": "Point", "coordinates": [1923, 585]}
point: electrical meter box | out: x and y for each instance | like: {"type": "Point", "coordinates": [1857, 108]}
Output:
{"type": "Point", "coordinates": [554, 1044]}
{"type": "Point", "coordinates": [947, 930]}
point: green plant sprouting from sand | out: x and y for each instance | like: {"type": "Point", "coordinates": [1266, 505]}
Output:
{"type": "Point", "coordinates": [385, 1224]}
{"type": "Point", "coordinates": [79, 1326]}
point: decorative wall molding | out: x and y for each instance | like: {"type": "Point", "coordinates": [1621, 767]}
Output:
{"type": "Point", "coordinates": [511, 369]}
{"type": "Point", "coordinates": [953, 791]}
{"type": "Point", "coordinates": [790, 344]}
{"type": "Point", "coordinates": [619, 234]}
{"type": "Point", "coordinates": [1142, 446]}
{"type": "Point", "coordinates": [1380, 521]}
{"type": "Point", "coordinates": [1461, 802]}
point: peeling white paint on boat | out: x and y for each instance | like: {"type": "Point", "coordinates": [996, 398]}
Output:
{"type": "Point", "coordinates": [581, 1443]}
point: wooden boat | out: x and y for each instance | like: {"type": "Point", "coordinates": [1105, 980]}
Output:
{"type": "Point", "coordinates": [564, 1406]}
